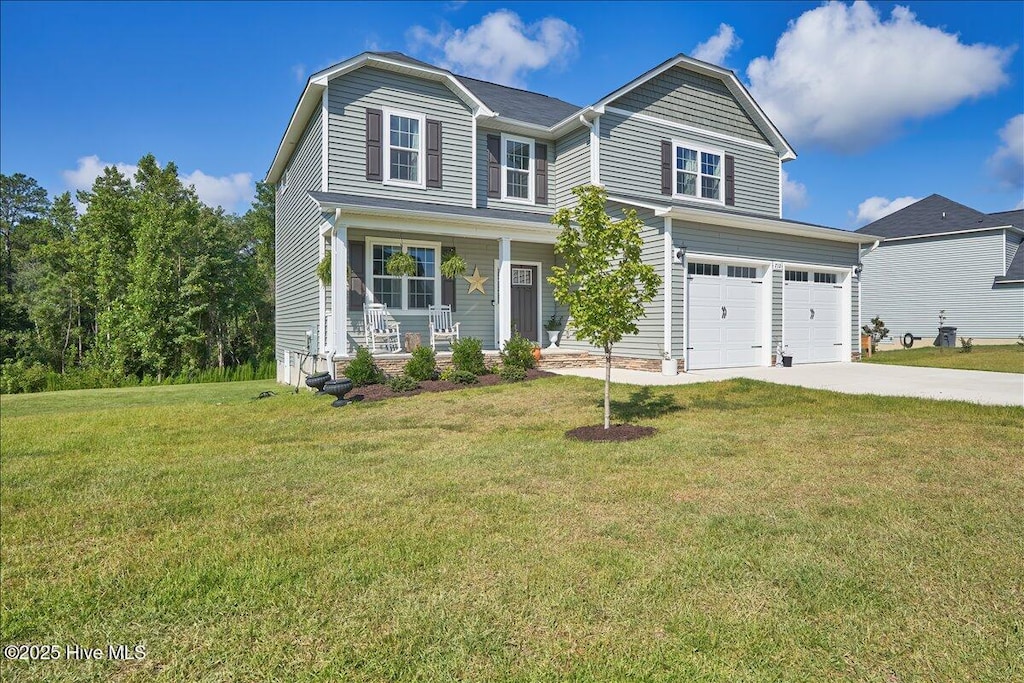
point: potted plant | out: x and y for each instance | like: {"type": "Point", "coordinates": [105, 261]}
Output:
{"type": "Point", "coordinates": [323, 270]}
{"type": "Point", "coordinates": [399, 264]}
{"type": "Point", "coordinates": [553, 327]}
{"type": "Point", "coordinates": [453, 265]}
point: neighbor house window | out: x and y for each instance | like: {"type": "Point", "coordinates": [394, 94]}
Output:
{"type": "Point", "coordinates": [517, 169]}
{"type": "Point", "coordinates": [404, 147]}
{"type": "Point", "coordinates": [698, 172]}
{"type": "Point", "coordinates": [406, 292]}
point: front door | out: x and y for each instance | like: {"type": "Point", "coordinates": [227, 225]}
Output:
{"type": "Point", "coordinates": [524, 301]}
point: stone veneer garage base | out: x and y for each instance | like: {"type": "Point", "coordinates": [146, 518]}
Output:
{"type": "Point", "coordinates": [393, 364]}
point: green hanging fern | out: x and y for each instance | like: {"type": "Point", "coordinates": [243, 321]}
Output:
{"type": "Point", "coordinates": [400, 263]}
{"type": "Point", "coordinates": [453, 265]}
{"type": "Point", "coordinates": [323, 269]}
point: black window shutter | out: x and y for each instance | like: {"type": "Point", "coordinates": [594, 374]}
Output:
{"type": "Point", "coordinates": [730, 181]}
{"type": "Point", "coordinates": [357, 263]}
{"type": "Point", "coordinates": [447, 283]}
{"type": "Point", "coordinates": [374, 148]}
{"type": "Point", "coordinates": [540, 152]}
{"type": "Point", "coordinates": [494, 166]}
{"type": "Point", "coordinates": [433, 153]}
{"type": "Point", "coordinates": [666, 167]}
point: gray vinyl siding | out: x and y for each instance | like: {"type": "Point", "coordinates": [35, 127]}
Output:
{"type": "Point", "coordinates": [483, 201]}
{"type": "Point", "coordinates": [572, 165]}
{"type": "Point", "coordinates": [692, 99]}
{"type": "Point", "coordinates": [649, 343]}
{"type": "Point", "coordinates": [631, 163]}
{"type": "Point", "coordinates": [777, 312]}
{"type": "Point", "coordinates": [678, 312]}
{"type": "Point", "coordinates": [297, 249]}
{"type": "Point", "coordinates": [1013, 242]}
{"type": "Point", "coordinates": [475, 311]}
{"type": "Point", "coordinates": [908, 282]}
{"type": "Point", "coordinates": [350, 95]}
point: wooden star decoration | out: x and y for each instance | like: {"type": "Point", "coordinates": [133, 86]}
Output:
{"type": "Point", "coordinates": [476, 282]}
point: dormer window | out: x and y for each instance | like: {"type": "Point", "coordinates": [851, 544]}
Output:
{"type": "Point", "coordinates": [517, 169]}
{"type": "Point", "coordinates": [403, 147]}
{"type": "Point", "coordinates": [698, 172]}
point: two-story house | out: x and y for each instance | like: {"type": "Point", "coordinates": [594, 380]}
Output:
{"type": "Point", "coordinates": [385, 153]}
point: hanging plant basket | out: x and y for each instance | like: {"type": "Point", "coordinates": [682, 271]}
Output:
{"type": "Point", "coordinates": [399, 264]}
{"type": "Point", "coordinates": [453, 265]}
{"type": "Point", "coordinates": [323, 269]}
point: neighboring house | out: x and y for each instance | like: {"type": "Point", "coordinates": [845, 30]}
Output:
{"type": "Point", "coordinates": [384, 152]}
{"type": "Point", "coordinates": [939, 255]}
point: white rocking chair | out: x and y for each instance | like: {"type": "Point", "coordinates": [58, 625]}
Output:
{"type": "Point", "coordinates": [441, 326]}
{"type": "Point", "coordinates": [380, 328]}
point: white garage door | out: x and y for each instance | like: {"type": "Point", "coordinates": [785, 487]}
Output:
{"type": "Point", "coordinates": [812, 316]}
{"type": "Point", "coordinates": [724, 310]}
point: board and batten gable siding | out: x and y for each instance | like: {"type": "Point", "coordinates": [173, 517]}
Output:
{"type": "Point", "coordinates": [350, 95]}
{"type": "Point", "coordinates": [689, 98]}
{"type": "Point", "coordinates": [483, 201]}
{"type": "Point", "coordinates": [631, 163]}
{"type": "Point", "coordinates": [726, 242]}
{"type": "Point", "coordinates": [572, 165]}
{"type": "Point", "coordinates": [650, 341]}
{"type": "Point", "coordinates": [297, 250]}
{"type": "Point", "coordinates": [908, 282]}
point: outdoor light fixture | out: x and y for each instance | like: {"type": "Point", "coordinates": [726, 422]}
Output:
{"type": "Point", "coordinates": [678, 253]}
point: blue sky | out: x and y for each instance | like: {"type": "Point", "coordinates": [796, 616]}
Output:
{"type": "Point", "coordinates": [884, 103]}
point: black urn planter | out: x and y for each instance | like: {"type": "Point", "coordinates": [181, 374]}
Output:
{"type": "Point", "coordinates": [338, 388]}
{"type": "Point", "coordinates": [317, 381]}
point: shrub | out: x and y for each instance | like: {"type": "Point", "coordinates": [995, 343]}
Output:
{"type": "Point", "coordinates": [511, 373]}
{"type": "Point", "coordinates": [423, 364]}
{"type": "Point", "coordinates": [362, 370]}
{"type": "Point", "coordinates": [966, 344]}
{"type": "Point", "coordinates": [876, 330]}
{"type": "Point", "coordinates": [400, 383]}
{"type": "Point", "coordinates": [468, 356]}
{"type": "Point", "coordinates": [518, 352]}
{"type": "Point", "coordinates": [458, 376]}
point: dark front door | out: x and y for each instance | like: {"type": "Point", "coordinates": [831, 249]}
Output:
{"type": "Point", "coordinates": [524, 301]}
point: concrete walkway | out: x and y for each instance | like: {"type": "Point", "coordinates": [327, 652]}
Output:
{"type": "Point", "coordinates": [990, 388]}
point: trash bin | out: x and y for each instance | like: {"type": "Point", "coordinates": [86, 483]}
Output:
{"type": "Point", "coordinates": [947, 337]}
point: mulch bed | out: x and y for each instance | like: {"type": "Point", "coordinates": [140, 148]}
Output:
{"type": "Point", "coordinates": [379, 392]}
{"type": "Point", "coordinates": [620, 432]}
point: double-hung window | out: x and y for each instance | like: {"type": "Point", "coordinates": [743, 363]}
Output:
{"type": "Point", "coordinates": [517, 169]}
{"type": "Point", "coordinates": [404, 292]}
{"type": "Point", "coordinates": [699, 172]}
{"type": "Point", "coordinates": [403, 142]}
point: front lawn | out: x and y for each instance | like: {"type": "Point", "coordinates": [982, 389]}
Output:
{"type": "Point", "coordinates": [1000, 358]}
{"type": "Point", "coordinates": [765, 533]}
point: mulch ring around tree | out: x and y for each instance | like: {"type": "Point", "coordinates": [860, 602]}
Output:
{"type": "Point", "coordinates": [619, 432]}
{"type": "Point", "coordinates": [379, 392]}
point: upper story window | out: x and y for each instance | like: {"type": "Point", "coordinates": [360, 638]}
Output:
{"type": "Point", "coordinates": [408, 292]}
{"type": "Point", "coordinates": [698, 172]}
{"type": "Point", "coordinates": [517, 169]}
{"type": "Point", "coordinates": [403, 141]}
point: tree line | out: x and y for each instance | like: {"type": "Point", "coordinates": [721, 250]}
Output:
{"type": "Point", "coordinates": [147, 285]}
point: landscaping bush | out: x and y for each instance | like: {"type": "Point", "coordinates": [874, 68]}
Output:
{"type": "Point", "coordinates": [458, 376]}
{"type": "Point", "coordinates": [423, 364]}
{"type": "Point", "coordinates": [362, 370]}
{"type": "Point", "coordinates": [401, 383]}
{"type": "Point", "coordinates": [517, 352]}
{"type": "Point", "coordinates": [468, 356]}
{"type": "Point", "coordinates": [511, 373]}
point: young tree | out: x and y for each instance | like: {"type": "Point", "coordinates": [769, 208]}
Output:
{"type": "Point", "coordinates": [604, 282]}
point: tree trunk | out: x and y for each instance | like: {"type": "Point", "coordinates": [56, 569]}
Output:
{"type": "Point", "coordinates": [607, 386]}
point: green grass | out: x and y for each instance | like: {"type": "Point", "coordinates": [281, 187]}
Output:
{"type": "Point", "coordinates": [766, 533]}
{"type": "Point", "coordinates": [998, 358]}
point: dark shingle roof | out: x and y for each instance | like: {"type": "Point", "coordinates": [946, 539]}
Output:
{"type": "Point", "coordinates": [405, 205]}
{"type": "Point", "coordinates": [1014, 218]}
{"type": "Point", "coordinates": [1015, 273]}
{"type": "Point", "coordinates": [931, 216]}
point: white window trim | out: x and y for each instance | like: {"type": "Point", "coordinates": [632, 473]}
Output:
{"type": "Point", "coordinates": [531, 182]}
{"type": "Point", "coordinates": [676, 144]}
{"type": "Point", "coordinates": [405, 244]}
{"type": "Point", "coordinates": [421, 156]}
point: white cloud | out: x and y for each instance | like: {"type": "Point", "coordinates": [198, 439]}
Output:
{"type": "Point", "coordinates": [873, 208]}
{"type": "Point", "coordinates": [232, 192]}
{"type": "Point", "coordinates": [794, 194]}
{"type": "Point", "coordinates": [299, 70]}
{"type": "Point", "coordinates": [843, 78]}
{"type": "Point", "coordinates": [716, 48]}
{"type": "Point", "coordinates": [1007, 164]}
{"type": "Point", "coordinates": [501, 48]}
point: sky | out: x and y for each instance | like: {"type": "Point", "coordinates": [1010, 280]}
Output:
{"type": "Point", "coordinates": [884, 103]}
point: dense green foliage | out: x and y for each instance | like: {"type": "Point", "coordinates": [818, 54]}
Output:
{"type": "Point", "coordinates": [400, 383]}
{"type": "Point", "coordinates": [468, 356]}
{"type": "Point", "coordinates": [511, 373]}
{"type": "Point", "coordinates": [458, 376]}
{"type": "Point", "coordinates": [517, 352]}
{"type": "Point", "coordinates": [362, 370]}
{"type": "Point", "coordinates": [147, 284]}
{"type": "Point", "coordinates": [423, 364]}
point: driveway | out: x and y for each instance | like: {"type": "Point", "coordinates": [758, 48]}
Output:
{"type": "Point", "coordinates": [990, 388]}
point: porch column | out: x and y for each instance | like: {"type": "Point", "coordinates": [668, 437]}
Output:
{"type": "Point", "coordinates": [504, 290]}
{"type": "Point", "coordinates": [339, 288]}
